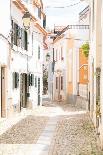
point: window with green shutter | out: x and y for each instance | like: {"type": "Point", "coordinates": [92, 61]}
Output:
{"type": "Point", "coordinates": [15, 80]}
{"type": "Point", "coordinates": [35, 81]}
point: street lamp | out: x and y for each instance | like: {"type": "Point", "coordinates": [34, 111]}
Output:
{"type": "Point", "coordinates": [26, 20]}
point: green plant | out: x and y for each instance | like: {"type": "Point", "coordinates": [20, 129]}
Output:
{"type": "Point", "coordinates": [85, 48]}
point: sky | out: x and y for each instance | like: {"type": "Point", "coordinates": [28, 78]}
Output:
{"type": "Point", "coordinates": [67, 13]}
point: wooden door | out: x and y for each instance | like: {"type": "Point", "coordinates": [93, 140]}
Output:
{"type": "Point", "coordinates": [23, 90]}
{"type": "Point", "coordinates": [3, 92]}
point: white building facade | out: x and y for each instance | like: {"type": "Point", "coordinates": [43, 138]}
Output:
{"type": "Point", "coordinates": [96, 66]}
{"type": "Point", "coordinates": [22, 52]}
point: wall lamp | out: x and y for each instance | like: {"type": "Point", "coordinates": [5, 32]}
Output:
{"type": "Point", "coordinates": [26, 20]}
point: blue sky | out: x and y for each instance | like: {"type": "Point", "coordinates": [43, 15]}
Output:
{"type": "Point", "coordinates": [62, 16]}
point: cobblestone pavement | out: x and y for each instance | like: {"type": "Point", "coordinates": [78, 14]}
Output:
{"type": "Point", "coordinates": [25, 131]}
{"type": "Point", "coordinates": [74, 134]}
{"type": "Point", "coordinates": [52, 129]}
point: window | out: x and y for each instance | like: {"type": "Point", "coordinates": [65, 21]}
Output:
{"type": "Point", "coordinates": [56, 82]}
{"type": "Point", "coordinates": [25, 40]}
{"type": "Point", "coordinates": [61, 82]}
{"type": "Point", "coordinates": [62, 53]}
{"type": "Point", "coordinates": [19, 36]}
{"type": "Point", "coordinates": [15, 34]}
{"type": "Point", "coordinates": [39, 13]}
{"type": "Point", "coordinates": [38, 52]}
{"type": "Point", "coordinates": [44, 22]}
{"type": "Point", "coordinates": [35, 81]}
{"type": "Point", "coordinates": [31, 79]}
{"type": "Point", "coordinates": [85, 77]}
{"type": "Point", "coordinates": [15, 80]}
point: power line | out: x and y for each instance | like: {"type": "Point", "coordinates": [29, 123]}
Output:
{"type": "Point", "coordinates": [61, 7]}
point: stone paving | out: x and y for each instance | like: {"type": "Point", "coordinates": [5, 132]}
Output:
{"type": "Point", "coordinates": [68, 131]}
{"type": "Point", "coordinates": [74, 135]}
{"type": "Point", "coordinates": [26, 131]}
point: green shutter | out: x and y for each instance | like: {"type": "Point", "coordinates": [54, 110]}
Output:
{"type": "Point", "coordinates": [32, 79]}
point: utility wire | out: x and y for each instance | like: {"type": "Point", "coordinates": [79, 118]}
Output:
{"type": "Point", "coordinates": [61, 7]}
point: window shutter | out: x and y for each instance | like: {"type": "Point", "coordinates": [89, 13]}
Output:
{"type": "Point", "coordinates": [35, 82]}
{"type": "Point", "coordinates": [61, 82]}
{"type": "Point", "coordinates": [19, 36]}
{"type": "Point", "coordinates": [15, 80]}
{"type": "Point", "coordinates": [44, 22]}
{"type": "Point", "coordinates": [56, 82]}
{"type": "Point", "coordinates": [22, 38]}
{"type": "Point", "coordinates": [13, 77]}
{"type": "Point", "coordinates": [15, 33]}
{"type": "Point", "coordinates": [39, 12]}
{"type": "Point", "coordinates": [25, 40]}
{"type": "Point", "coordinates": [29, 79]}
{"type": "Point", "coordinates": [32, 79]}
{"type": "Point", "coordinates": [38, 52]}
{"type": "Point", "coordinates": [12, 33]}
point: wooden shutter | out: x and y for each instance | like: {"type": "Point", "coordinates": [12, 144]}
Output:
{"type": "Point", "coordinates": [61, 82]}
{"type": "Point", "coordinates": [32, 79]}
{"type": "Point", "coordinates": [25, 40]}
{"type": "Point", "coordinates": [15, 33]}
{"type": "Point", "coordinates": [15, 80]}
{"type": "Point", "coordinates": [39, 12]}
{"type": "Point", "coordinates": [12, 33]}
{"type": "Point", "coordinates": [44, 22]}
{"type": "Point", "coordinates": [29, 79]}
{"type": "Point", "coordinates": [56, 82]}
{"type": "Point", "coordinates": [22, 38]}
{"type": "Point", "coordinates": [35, 82]}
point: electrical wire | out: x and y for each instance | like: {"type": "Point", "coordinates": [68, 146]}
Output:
{"type": "Point", "coordinates": [61, 7]}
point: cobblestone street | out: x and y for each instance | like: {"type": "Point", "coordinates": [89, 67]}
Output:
{"type": "Point", "coordinates": [52, 129]}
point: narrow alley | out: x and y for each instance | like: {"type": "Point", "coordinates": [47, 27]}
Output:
{"type": "Point", "coordinates": [52, 129]}
{"type": "Point", "coordinates": [51, 77]}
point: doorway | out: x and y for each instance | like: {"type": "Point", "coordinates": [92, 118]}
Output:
{"type": "Point", "coordinates": [3, 92]}
{"type": "Point", "coordinates": [23, 90]}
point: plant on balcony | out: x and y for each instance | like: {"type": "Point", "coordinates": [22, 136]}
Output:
{"type": "Point", "coordinates": [85, 48]}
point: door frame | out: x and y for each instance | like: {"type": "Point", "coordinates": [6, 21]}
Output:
{"type": "Point", "coordinates": [3, 88]}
